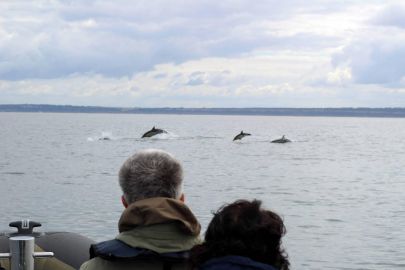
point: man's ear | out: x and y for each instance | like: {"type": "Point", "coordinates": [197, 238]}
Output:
{"type": "Point", "coordinates": [124, 202]}
{"type": "Point", "coordinates": [182, 197]}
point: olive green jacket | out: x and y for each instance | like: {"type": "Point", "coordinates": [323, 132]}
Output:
{"type": "Point", "coordinates": [159, 224]}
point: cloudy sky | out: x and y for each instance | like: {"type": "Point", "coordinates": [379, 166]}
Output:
{"type": "Point", "coordinates": [229, 53]}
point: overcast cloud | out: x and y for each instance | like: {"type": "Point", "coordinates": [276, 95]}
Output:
{"type": "Point", "coordinates": [203, 53]}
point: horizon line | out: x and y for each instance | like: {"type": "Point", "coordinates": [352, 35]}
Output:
{"type": "Point", "coordinates": [182, 107]}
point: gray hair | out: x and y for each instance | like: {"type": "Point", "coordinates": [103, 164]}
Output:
{"type": "Point", "coordinates": [151, 173]}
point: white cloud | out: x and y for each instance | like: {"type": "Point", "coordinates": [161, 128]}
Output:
{"type": "Point", "coordinates": [375, 57]}
{"type": "Point", "coordinates": [211, 78]}
{"type": "Point", "coordinates": [228, 53]}
{"type": "Point", "coordinates": [115, 40]}
{"type": "Point", "coordinates": [391, 15]}
{"type": "Point", "coordinates": [340, 76]}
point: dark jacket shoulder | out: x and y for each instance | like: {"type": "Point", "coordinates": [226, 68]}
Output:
{"type": "Point", "coordinates": [117, 250]}
{"type": "Point", "coordinates": [115, 254]}
{"type": "Point", "coordinates": [234, 263]}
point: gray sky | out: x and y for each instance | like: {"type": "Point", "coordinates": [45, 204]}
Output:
{"type": "Point", "coordinates": [229, 53]}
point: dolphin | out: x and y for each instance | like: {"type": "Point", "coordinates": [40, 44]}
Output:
{"type": "Point", "coordinates": [154, 131]}
{"type": "Point", "coordinates": [241, 135]}
{"type": "Point", "coordinates": [281, 140]}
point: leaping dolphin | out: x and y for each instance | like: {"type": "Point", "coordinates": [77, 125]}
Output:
{"type": "Point", "coordinates": [281, 140]}
{"type": "Point", "coordinates": [154, 131]}
{"type": "Point", "coordinates": [241, 135]}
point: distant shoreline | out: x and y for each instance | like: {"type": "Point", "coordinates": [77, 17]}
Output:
{"type": "Point", "coordinates": [337, 112]}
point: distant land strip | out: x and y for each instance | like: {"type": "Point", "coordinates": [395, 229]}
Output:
{"type": "Point", "coordinates": [342, 112]}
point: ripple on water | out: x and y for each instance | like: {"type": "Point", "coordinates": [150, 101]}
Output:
{"type": "Point", "coordinates": [309, 226]}
{"type": "Point", "coordinates": [334, 220]}
{"type": "Point", "coordinates": [280, 192]}
{"type": "Point", "coordinates": [383, 265]}
{"type": "Point", "coordinates": [306, 203]}
{"type": "Point", "coordinates": [206, 137]}
{"type": "Point", "coordinates": [14, 173]}
{"type": "Point", "coordinates": [254, 188]}
{"type": "Point", "coordinates": [66, 183]}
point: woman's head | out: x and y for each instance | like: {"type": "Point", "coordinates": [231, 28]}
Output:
{"type": "Point", "coordinates": [243, 228]}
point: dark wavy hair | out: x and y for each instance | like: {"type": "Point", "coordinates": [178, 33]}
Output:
{"type": "Point", "coordinates": [243, 228]}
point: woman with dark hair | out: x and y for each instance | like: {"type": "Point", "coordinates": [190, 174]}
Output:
{"type": "Point", "coordinates": [242, 235]}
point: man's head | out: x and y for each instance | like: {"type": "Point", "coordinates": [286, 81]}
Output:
{"type": "Point", "coordinates": [151, 173]}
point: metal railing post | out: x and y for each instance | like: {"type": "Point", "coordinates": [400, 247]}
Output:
{"type": "Point", "coordinates": [22, 253]}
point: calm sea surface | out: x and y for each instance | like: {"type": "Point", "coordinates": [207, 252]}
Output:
{"type": "Point", "coordinates": [339, 185]}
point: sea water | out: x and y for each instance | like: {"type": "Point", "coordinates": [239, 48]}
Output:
{"type": "Point", "coordinates": [339, 185]}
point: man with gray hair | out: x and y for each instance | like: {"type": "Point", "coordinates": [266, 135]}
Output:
{"type": "Point", "coordinates": [156, 228]}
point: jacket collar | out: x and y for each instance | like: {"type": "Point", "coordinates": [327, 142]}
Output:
{"type": "Point", "coordinates": [159, 224]}
{"type": "Point", "coordinates": [159, 210]}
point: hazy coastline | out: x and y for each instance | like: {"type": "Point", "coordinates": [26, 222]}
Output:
{"type": "Point", "coordinates": [338, 112]}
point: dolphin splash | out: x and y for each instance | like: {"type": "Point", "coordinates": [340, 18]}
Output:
{"type": "Point", "coordinates": [154, 131]}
